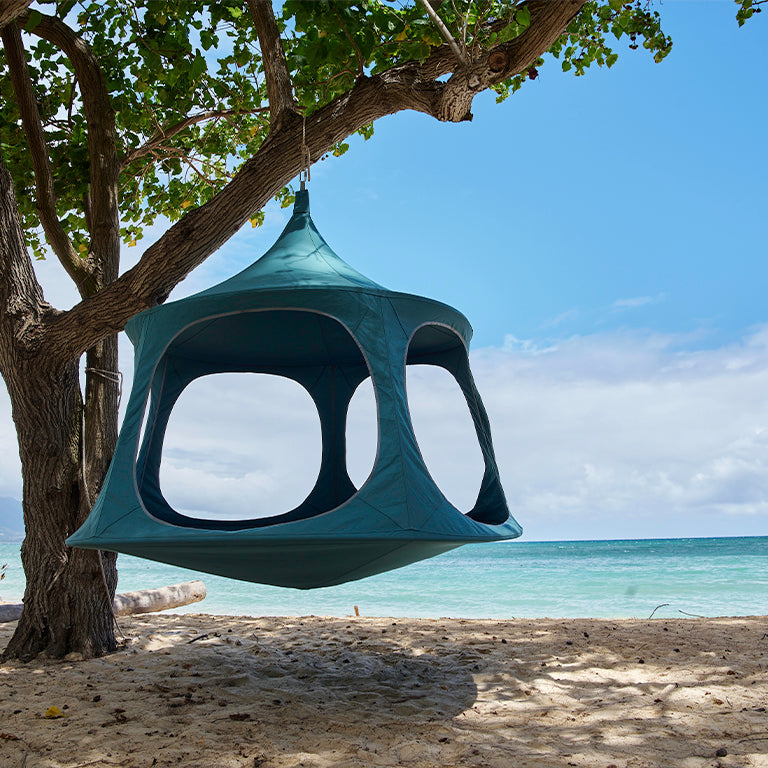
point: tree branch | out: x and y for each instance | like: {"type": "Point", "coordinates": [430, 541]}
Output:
{"type": "Point", "coordinates": [445, 32]}
{"type": "Point", "coordinates": [201, 231]}
{"type": "Point", "coordinates": [102, 146]}
{"type": "Point", "coordinates": [172, 130]}
{"type": "Point", "coordinates": [10, 9]}
{"type": "Point", "coordinates": [548, 20]}
{"type": "Point", "coordinates": [45, 201]}
{"type": "Point", "coordinates": [279, 87]}
{"type": "Point", "coordinates": [355, 46]}
{"type": "Point", "coordinates": [21, 297]}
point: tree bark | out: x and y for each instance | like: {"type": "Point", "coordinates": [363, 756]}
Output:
{"type": "Point", "coordinates": [279, 87]}
{"type": "Point", "coordinates": [66, 603]}
{"type": "Point", "coordinates": [11, 9]}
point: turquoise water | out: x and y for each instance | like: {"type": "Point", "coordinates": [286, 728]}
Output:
{"type": "Point", "coordinates": [600, 579]}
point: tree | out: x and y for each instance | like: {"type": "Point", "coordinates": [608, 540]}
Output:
{"type": "Point", "coordinates": [116, 112]}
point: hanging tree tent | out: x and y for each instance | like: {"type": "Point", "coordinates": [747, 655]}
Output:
{"type": "Point", "coordinates": [300, 312]}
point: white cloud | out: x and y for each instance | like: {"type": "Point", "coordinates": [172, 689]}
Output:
{"type": "Point", "coordinates": [623, 434]}
{"type": "Point", "coordinates": [596, 315]}
{"type": "Point", "coordinates": [564, 317]}
{"type": "Point", "coordinates": [526, 346]}
{"type": "Point", "coordinates": [639, 301]}
{"type": "Point", "coordinates": [239, 446]}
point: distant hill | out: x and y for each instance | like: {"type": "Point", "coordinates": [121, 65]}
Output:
{"type": "Point", "coordinates": [11, 520]}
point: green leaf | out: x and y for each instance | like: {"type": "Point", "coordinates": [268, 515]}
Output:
{"type": "Point", "coordinates": [198, 67]}
{"type": "Point", "coordinates": [35, 17]}
{"type": "Point", "coordinates": [366, 131]}
{"type": "Point", "coordinates": [340, 149]}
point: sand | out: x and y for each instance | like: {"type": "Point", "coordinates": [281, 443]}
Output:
{"type": "Point", "coordinates": [221, 692]}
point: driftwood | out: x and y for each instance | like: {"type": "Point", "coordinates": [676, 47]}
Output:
{"type": "Point", "coordinates": [142, 601]}
{"type": "Point", "coordinates": [151, 600]}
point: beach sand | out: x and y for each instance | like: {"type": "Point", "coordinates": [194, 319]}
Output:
{"type": "Point", "coordinates": [205, 691]}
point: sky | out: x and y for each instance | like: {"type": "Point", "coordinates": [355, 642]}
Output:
{"type": "Point", "coordinates": [605, 236]}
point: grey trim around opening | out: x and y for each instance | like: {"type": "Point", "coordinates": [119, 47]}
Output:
{"type": "Point", "coordinates": [235, 531]}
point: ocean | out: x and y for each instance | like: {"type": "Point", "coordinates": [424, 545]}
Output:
{"type": "Point", "coordinates": [598, 579]}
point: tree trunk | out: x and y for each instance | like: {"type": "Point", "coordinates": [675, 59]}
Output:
{"type": "Point", "coordinates": [66, 605]}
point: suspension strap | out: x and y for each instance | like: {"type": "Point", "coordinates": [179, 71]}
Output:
{"type": "Point", "coordinates": [306, 160]}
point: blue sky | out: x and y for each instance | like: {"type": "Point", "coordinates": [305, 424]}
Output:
{"type": "Point", "coordinates": [644, 181]}
{"type": "Point", "coordinates": [605, 235]}
{"type": "Point", "coordinates": [630, 197]}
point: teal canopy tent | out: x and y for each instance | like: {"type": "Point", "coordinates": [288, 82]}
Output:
{"type": "Point", "coordinates": [302, 313]}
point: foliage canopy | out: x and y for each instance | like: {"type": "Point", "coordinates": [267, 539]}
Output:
{"type": "Point", "coordinates": [186, 83]}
